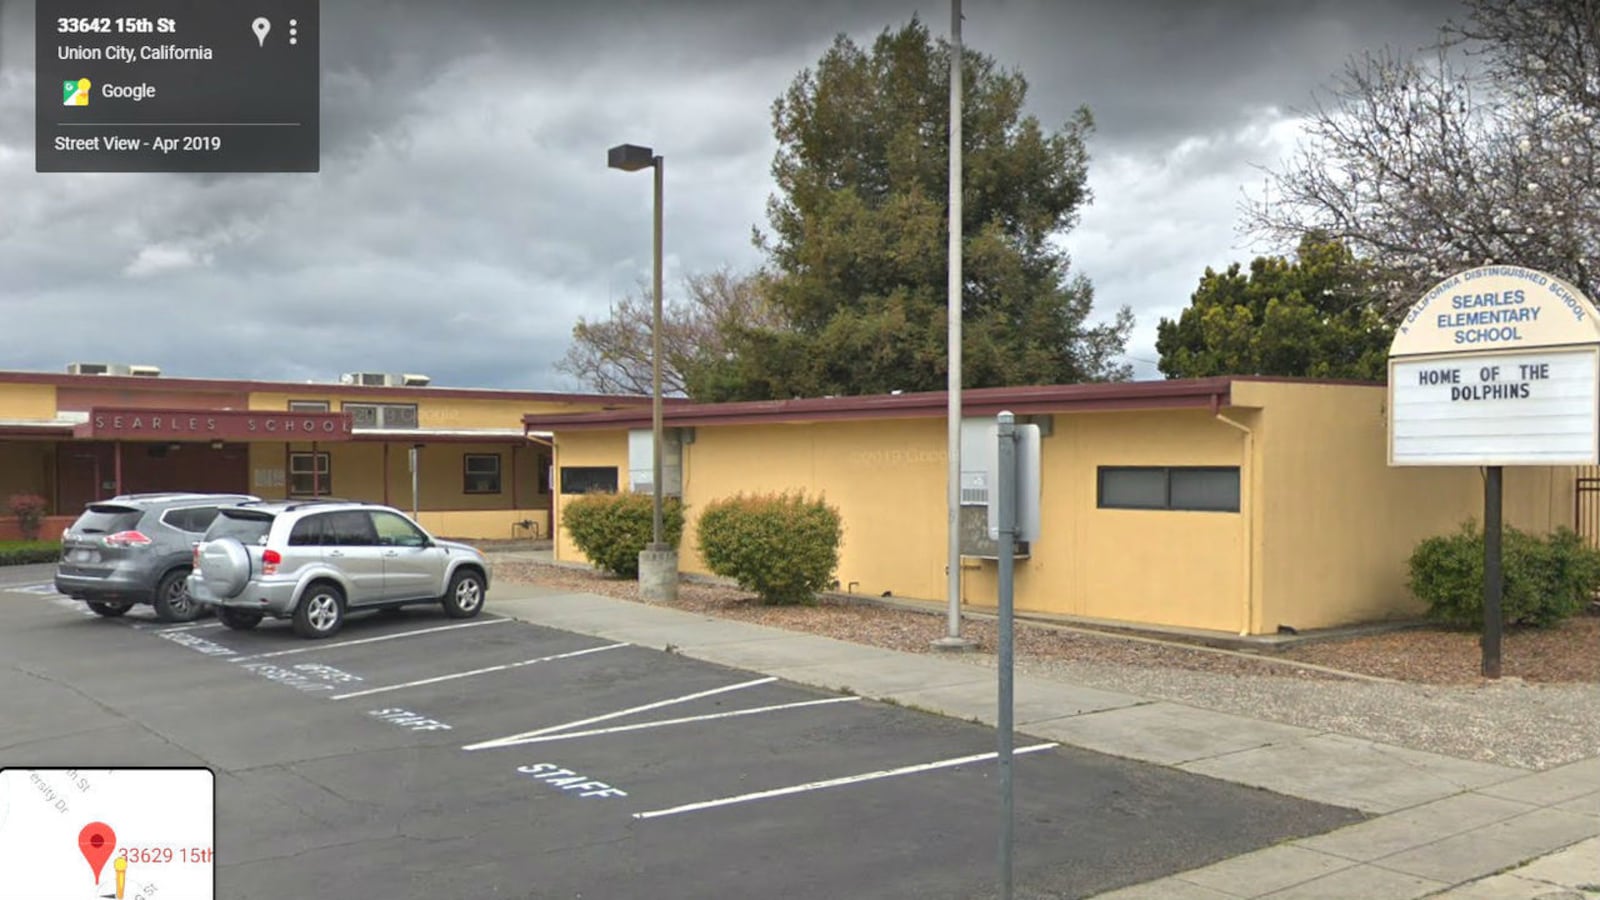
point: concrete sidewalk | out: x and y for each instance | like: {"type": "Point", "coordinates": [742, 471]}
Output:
{"type": "Point", "coordinates": [1440, 824]}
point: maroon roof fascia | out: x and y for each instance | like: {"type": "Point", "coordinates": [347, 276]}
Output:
{"type": "Point", "coordinates": [45, 433]}
{"type": "Point", "coordinates": [199, 385]}
{"type": "Point", "coordinates": [1198, 393]}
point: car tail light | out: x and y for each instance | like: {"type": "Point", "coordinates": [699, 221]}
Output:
{"type": "Point", "coordinates": [127, 539]}
{"type": "Point", "coordinates": [269, 562]}
{"type": "Point", "coordinates": [196, 556]}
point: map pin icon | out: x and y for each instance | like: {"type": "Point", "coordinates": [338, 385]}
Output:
{"type": "Point", "coordinates": [96, 841]}
{"type": "Point", "coordinates": [261, 26]}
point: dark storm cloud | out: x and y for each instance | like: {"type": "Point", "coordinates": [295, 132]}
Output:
{"type": "Point", "coordinates": [464, 218]}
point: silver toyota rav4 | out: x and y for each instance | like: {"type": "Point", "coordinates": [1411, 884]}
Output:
{"type": "Point", "coordinates": [313, 561]}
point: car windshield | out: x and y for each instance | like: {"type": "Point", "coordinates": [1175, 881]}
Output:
{"type": "Point", "coordinates": [104, 518]}
{"type": "Point", "coordinates": [246, 528]}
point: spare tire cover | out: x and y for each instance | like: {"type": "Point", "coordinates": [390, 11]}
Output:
{"type": "Point", "coordinates": [225, 566]}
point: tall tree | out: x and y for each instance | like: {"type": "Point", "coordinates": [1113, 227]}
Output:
{"type": "Point", "coordinates": [1316, 316]}
{"type": "Point", "coordinates": [857, 247]}
{"type": "Point", "coordinates": [612, 355]}
{"type": "Point", "coordinates": [1487, 151]}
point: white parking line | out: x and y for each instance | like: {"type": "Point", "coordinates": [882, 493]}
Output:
{"type": "Point", "coordinates": [513, 740]}
{"type": "Point", "coordinates": [561, 736]}
{"type": "Point", "coordinates": [501, 668]}
{"type": "Point", "coordinates": [835, 782]}
{"type": "Point", "coordinates": [371, 640]}
{"type": "Point", "coordinates": [195, 627]}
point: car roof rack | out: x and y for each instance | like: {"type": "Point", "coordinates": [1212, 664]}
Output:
{"type": "Point", "coordinates": [314, 501]}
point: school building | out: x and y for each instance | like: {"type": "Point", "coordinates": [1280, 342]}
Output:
{"type": "Point", "coordinates": [99, 430]}
{"type": "Point", "coordinates": [1231, 505]}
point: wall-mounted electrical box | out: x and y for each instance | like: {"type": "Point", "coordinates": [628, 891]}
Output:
{"type": "Point", "coordinates": [640, 468]}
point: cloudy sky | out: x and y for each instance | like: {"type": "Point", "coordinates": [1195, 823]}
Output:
{"type": "Point", "coordinates": [464, 217]}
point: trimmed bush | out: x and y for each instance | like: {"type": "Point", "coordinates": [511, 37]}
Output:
{"type": "Point", "coordinates": [21, 553]}
{"type": "Point", "coordinates": [783, 547]}
{"type": "Point", "coordinates": [29, 510]}
{"type": "Point", "coordinates": [611, 530]}
{"type": "Point", "coordinates": [1545, 579]}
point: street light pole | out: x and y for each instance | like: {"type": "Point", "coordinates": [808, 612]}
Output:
{"type": "Point", "coordinates": [656, 531]}
{"type": "Point", "coordinates": [658, 563]}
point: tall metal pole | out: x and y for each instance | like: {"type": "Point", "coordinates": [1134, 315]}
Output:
{"type": "Point", "coordinates": [655, 372]}
{"type": "Point", "coordinates": [1004, 497]}
{"type": "Point", "coordinates": [1492, 582]}
{"type": "Point", "coordinates": [952, 638]}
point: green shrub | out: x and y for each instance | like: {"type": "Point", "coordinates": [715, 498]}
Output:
{"type": "Point", "coordinates": [1545, 579]}
{"type": "Point", "coordinates": [613, 529]}
{"type": "Point", "coordinates": [21, 553]}
{"type": "Point", "coordinates": [784, 547]}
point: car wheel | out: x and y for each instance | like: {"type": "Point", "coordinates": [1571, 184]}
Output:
{"type": "Point", "coordinates": [172, 600]}
{"type": "Point", "coordinates": [238, 619]}
{"type": "Point", "coordinates": [465, 597]}
{"type": "Point", "coordinates": [321, 611]}
{"type": "Point", "coordinates": [109, 610]}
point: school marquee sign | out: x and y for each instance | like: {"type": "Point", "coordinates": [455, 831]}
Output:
{"type": "Point", "coordinates": [1496, 366]}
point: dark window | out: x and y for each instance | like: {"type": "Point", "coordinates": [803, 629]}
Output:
{"type": "Point", "coordinates": [1193, 488]}
{"type": "Point", "coordinates": [382, 415]}
{"type": "Point", "coordinates": [480, 473]}
{"type": "Point", "coordinates": [588, 479]}
{"type": "Point", "coordinates": [194, 519]}
{"type": "Point", "coordinates": [308, 406]}
{"type": "Point", "coordinates": [103, 518]}
{"type": "Point", "coordinates": [395, 531]}
{"type": "Point", "coordinates": [244, 527]}
{"type": "Point", "coordinates": [310, 531]}
{"type": "Point", "coordinates": [350, 529]}
{"type": "Point", "coordinates": [306, 481]}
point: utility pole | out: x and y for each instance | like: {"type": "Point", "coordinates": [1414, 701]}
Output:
{"type": "Point", "coordinates": [953, 639]}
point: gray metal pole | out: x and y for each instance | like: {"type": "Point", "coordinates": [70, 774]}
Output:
{"type": "Point", "coordinates": [416, 463]}
{"type": "Point", "coordinates": [953, 383]}
{"type": "Point", "coordinates": [1492, 579]}
{"type": "Point", "coordinates": [1005, 499]}
{"type": "Point", "coordinates": [656, 529]}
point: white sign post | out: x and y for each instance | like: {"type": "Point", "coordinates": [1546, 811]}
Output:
{"type": "Point", "coordinates": [1496, 366]}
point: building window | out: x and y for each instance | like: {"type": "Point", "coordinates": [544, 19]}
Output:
{"type": "Point", "coordinates": [1191, 488]}
{"type": "Point", "coordinates": [588, 479]}
{"type": "Point", "coordinates": [308, 406]}
{"type": "Point", "coordinates": [480, 473]}
{"type": "Point", "coordinates": [310, 475]}
{"type": "Point", "coordinates": [381, 415]}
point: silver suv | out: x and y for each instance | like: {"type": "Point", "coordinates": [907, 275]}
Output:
{"type": "Point", "coordinates": [137, 548]}
{"type": "Point", "coordinates": [313, 561]}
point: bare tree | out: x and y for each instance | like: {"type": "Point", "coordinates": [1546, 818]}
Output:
{"type": "Point", "coordinates": [613, 355]}
{"type": "Point", "coordinates": [1484, 151]}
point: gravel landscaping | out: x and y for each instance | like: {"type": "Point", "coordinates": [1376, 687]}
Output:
{"type": "Point", "coordinates": [1416, 688]}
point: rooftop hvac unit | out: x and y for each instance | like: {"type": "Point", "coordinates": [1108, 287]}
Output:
{"type": "Point", "coordinates": [83, 368]}
{"type": "Point", "coordinates": [145, 371]}
{"type": "Point", "coordinates": [365, 379]}
{"type": "Point", "coordinates": [413, 380]}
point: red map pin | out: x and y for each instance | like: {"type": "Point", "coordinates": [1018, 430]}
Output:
{"type": "Point", "coordinates": [96, 841]}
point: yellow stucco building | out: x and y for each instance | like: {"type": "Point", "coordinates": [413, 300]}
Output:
{"type": "Point", "coordinates": [1227, 505]}
{"type": "Point", "coordinates": [86, 435]}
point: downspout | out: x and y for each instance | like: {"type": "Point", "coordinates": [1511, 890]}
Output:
{"type": "Point", "coordinates": [1247, 506]}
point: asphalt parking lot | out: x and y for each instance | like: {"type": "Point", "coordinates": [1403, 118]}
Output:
{"type": "Point", "coordinates": [417, 756]}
